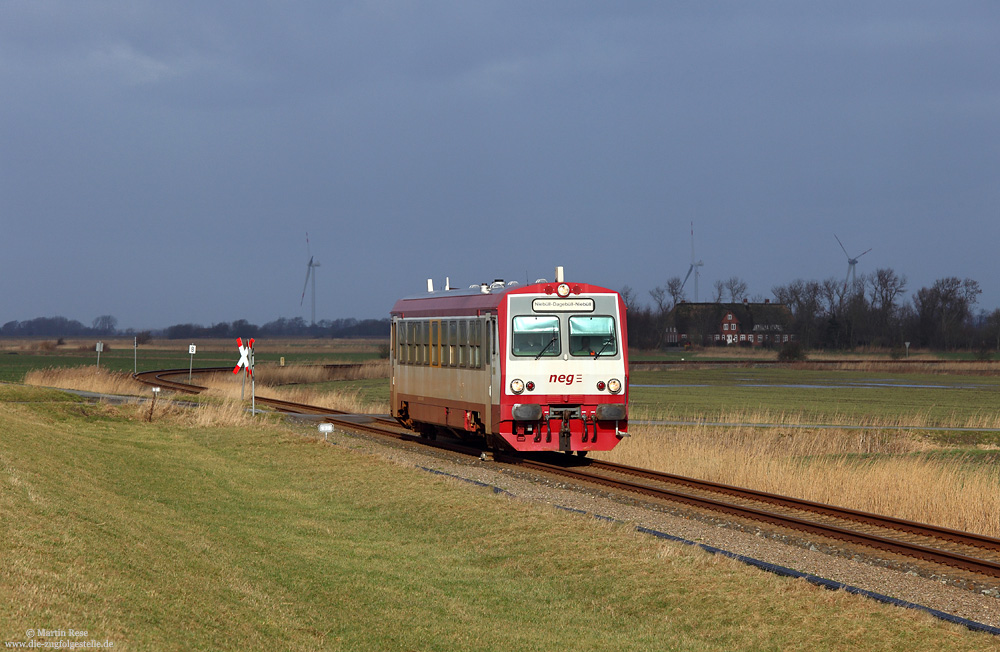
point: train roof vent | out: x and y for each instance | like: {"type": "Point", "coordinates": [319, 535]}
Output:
{"type": "Point", "coordinates": [497, 283]}
{"type": "Point", "coordinates": [512, 283]}
{"type": "Point", "coordinates": [540, 280]}
{"type": "Point", "coordinates": [484, 288]}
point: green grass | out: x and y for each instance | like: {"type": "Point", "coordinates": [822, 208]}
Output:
{"type": "Point", "coordinates": [164, 536]}
{"type": "Point", "coordinates": [824, 396]}
{"type": "Point", "coordinates": [14, 365]}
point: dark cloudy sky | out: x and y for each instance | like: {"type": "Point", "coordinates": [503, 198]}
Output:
{"type": "Point", "coordinates": [162, 161]}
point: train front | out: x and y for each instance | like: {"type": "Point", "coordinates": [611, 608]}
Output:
{"type": "Point", "coordinates": [564, 371]}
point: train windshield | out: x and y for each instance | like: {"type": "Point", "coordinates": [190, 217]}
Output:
{"type": "Point", "coordinates": [592, 336]}
{"type": "Point", "coordinates": [535, 336]}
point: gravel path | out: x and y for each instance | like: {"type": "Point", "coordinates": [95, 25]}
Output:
{"type": "Point", "coordinates": [898, 579]}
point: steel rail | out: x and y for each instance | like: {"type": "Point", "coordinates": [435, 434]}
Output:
{"type": "Point", "coordinates": [917, 551]}
{"type": "Point", "coordinates": [887, 522]}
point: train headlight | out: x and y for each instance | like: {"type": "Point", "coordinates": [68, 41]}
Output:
{"type": "Point", "coordinates": [562, 290]}
{"type": "Point", "coordinates": [615, 385]}
{"type": "Point", "coordinates": [517, 385]}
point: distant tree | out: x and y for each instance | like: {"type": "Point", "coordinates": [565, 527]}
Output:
{"type": "Point", "coordinates": [243, 328]}
{"type": "Point", "coordinates": [661, 299]}
{"type": "Point", "coordinates": [991, 329]}
{"type": "Point", "coordinates": [944, 312]}
{"type": "Point", "coordinates": [803, 299]}
{"type": "Point", "coordinates": [669, 295]}
{"type": "Point", "coordinates": [183, 331]}
{"type": "Point", "coordinates": [884, 288]}
{"type": "Point", "coordinates": [675, 288]}
{"type": "Point", "coordinates": [719, 291]}
{"type": "Point", "coordinates": [628, 297]}
{"type": "Point", "coordinates": [737, 288]}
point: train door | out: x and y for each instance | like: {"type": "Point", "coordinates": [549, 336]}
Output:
{"type": "Point", "coordinates": [394, 349]}
{"type": "Point", "coordinates": [493, 355]}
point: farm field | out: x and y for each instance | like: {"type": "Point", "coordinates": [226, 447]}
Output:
{"type": "Point", "coordinates": [824, 396]}
{"type": "Point", "coordinates": [228, 532]}
{"type": "Point", "coordinates": [17, 357]}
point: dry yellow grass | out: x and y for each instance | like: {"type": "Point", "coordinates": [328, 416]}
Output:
{"type": "Point", "coordinates": [220, 410]}
{"type": "Point", "coordinates": [347, 400]}
{"type": "Point", "coordinates": [85, 379]}
{"type": "Point", "coordinates": [272, 375]}
{"type": "Point", "coordinates": [284, 383]}
{"type": "Point", "coordinates": [881, 472]}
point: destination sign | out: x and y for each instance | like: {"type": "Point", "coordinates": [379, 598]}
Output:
{"type": "Point", "coordinates": [563, 305]}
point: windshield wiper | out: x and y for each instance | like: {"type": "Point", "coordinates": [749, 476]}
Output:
{"type": "Point", "coordinates": [546, 348]}
{"type": "Point", "coordinates": [607, 343]}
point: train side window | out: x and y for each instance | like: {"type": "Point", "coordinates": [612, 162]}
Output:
{"type": "Point", "coordinates": [402, 342]}
{"type": "Point", "coordinates": [435, 343]}
{"type": "Point", "coordinates": [477, 344]}
{"type": "Point", "coordinates": [463, 343]}
{"type": "Point", "coordinates": [424, 334]}
{"type": "Point", "coordinates": [409, 342]}
{"type": "Point", "coordinates": [453, 343]}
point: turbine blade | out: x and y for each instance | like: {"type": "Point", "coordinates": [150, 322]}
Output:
{"type": "Point", "coordinates": [684, 282]}
{"type": "Point", "coordinates": [842, 246]}
{"type": "Point", "coordinates": [309, 270]}
{"type": "Point", "coordinates": [862, 254]}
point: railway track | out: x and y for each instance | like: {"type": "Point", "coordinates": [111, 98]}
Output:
{"type": "Point", "coordinates": [968, 552]}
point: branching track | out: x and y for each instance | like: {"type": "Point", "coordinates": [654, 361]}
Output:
{"type": "Point", "coordinates": [966, 551]}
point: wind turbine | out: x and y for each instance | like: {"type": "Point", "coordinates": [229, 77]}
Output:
{"type": "Point", "coordinates": [851, 263]}
{"type": "Point", "coordinates": [693, 268]}
{"type": "Point", "coordinates": [309, 272]}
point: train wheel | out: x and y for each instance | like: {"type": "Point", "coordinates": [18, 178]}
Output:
{"type": "Point", "coordinates": [582, 453]}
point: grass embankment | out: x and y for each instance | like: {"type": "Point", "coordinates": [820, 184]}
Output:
{"type": "Point", "coordinates": [174, 535]}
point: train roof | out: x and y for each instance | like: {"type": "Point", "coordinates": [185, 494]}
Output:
{"type": "Point", "coordinates": [478, 300]}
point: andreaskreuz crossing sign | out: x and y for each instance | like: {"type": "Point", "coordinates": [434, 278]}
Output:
{"type": "Point", "coordinates": [245, 355]}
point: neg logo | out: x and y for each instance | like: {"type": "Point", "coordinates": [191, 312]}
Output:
{"type": "Point", "coordinates": [566, 379]}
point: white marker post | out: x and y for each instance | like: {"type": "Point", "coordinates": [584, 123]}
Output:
{"type": "Point", "coordinates": [326, 429]}
{"type": "Point", "coordinates": [191, 350]}
{"type": "Point", "coordinates": [100, 347]}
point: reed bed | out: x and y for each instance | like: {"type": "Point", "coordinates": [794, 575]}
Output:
{"type": "Point", "coordinates": [884, 472]}
{"type": "Point", "coordinates": [272, 375]}
{"type": "Point", "coordinates": [347, 400]}
{"type": "Point", "coordinates": [220, 412]}
{"type": "Point", "coordinates": [85, 379]}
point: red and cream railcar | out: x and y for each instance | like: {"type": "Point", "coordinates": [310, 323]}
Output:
{"type": "Point", "coordinates": [540, 367]}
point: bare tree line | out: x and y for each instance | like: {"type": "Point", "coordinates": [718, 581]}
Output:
{"type": "Point", "coordinates": [833, 314]}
